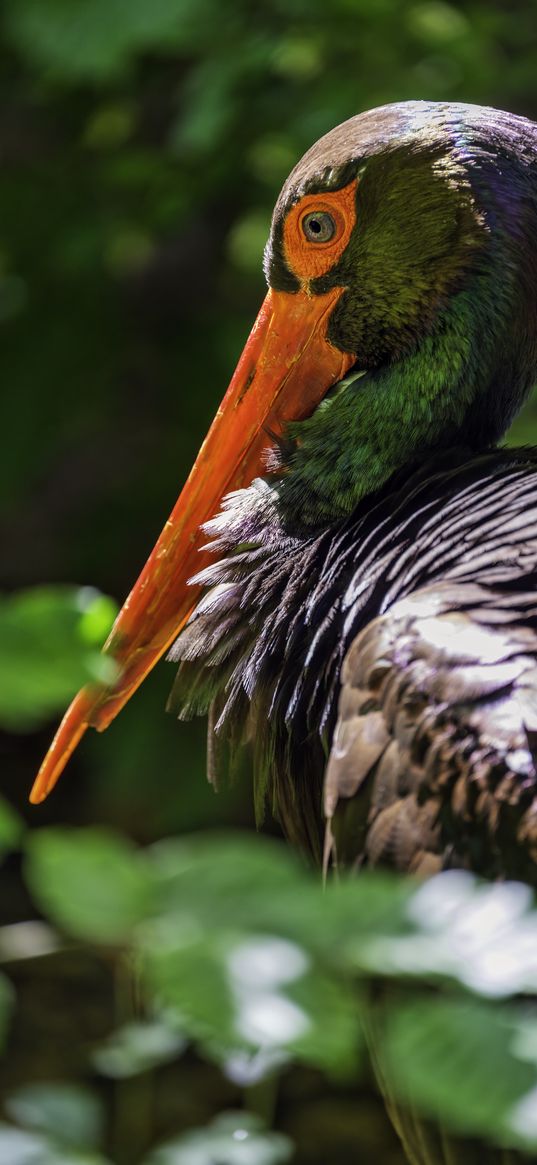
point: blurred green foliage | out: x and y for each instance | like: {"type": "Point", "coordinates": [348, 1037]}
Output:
{"type": "Point", "coordinates": [59, 1124]}
{"type": "Point", "coordinates": [232, 946]}
{"type": "Point", "coordinates": [50, 640]}
{"type": "Point", "coordinates": [142, 148]}
{"type": "Point", "coordinates": [232, 1139]}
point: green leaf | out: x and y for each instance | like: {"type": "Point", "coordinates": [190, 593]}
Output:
{"type": "Point", "coordinates": [247, 954]}
{"type": "Point", "coordinates": [48, 649]}
{"type": "Point", "coordinates": [466, 1063]}
{"type": "Point", "coordinates": [21, 1148]}
{"type": "Point", "coordinates": [231, 1139]}
{"type": "Point", "coordinates": [90, 882]}
{"type": "Point", "coordinates": [224, 872]}
{"type": "Point", "coordinates": [240, 880]}
{"type": "Point", "coordinates": [256, 993]}
{"type": "Point", "coordinates": [97, 613]}
{"type": "Point", "coordinates": [71, 1116]}
{"type": "Point", "coordinates": [481, 935]}
{"type": "Point", "coordinates": [18, 1147]}
{"type": "Point", "coordinates": [137, 1047]}
{"type": "Point", "coordinates": [186, 975]}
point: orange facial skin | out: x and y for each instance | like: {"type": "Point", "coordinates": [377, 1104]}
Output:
{"type": "Point", "coordinates": [286, 368]}
{"type": "Point", "coordinates": [310, 260]}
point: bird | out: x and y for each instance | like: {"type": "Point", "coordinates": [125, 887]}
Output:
{"type": "Point", "coordinates": [347, 582]}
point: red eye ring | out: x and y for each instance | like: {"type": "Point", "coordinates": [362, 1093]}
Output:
{"type": "Point", "coordinates": [307, 255]}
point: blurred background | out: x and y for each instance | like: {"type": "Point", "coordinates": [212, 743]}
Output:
{"type": "Point", "coordinates": [142, 146]}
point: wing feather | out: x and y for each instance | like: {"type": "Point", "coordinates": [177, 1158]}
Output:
{"type": "Point", "coordinates": [432, 761]}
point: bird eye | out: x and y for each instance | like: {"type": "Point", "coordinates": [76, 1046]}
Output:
{"type": "Point", "coordinates": [318, 226]}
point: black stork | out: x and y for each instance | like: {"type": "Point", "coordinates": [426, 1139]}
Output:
{"type": "Point", "coordinates": [363, 610]}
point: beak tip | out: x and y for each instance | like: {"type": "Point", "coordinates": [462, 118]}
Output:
{"type": "Point", "coordinates": [71, 730]}
{"type": "Point", "coordinates": [45, 781]}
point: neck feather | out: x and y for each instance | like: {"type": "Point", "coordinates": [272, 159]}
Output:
{"type": "Point", "coordinates": [374, 424]}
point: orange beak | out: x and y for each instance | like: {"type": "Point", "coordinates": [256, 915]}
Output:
{"type": "Point", "coordinates": [286, 368]}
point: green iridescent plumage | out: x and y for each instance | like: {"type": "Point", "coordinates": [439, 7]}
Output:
{"type": "Point", "coordinates": [441, 301]}
{"type": "Point", "coordinates": [370, 623]}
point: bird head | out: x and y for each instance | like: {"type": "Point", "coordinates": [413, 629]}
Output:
{"type": "Point", "coordinates": [401, 316]}
{"type": "Point", "coordinates": [421, 219]}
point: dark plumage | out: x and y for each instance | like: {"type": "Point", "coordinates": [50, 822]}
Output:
{"type": "Point", "coordinates": [368, 619]}
{"type": "Point", "coordinates": [370, 625]}
{"type": "Point", "coordinates": [283, 624]}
